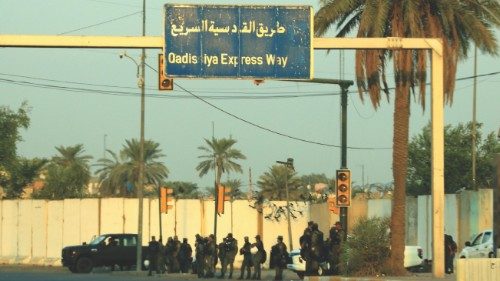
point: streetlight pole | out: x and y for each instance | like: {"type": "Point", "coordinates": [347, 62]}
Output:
{"type": "Point", "coordinates": [140, 181]}
{"type": "Point", "coordinates": [141, 70]}
{"type": "Point", "coordinates": [288, 165]}
{"type": "Point", "coordinates": [141, 148]}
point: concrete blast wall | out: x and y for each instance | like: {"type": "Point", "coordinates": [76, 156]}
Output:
{"type": "Point", "coordinates": [35, 231]}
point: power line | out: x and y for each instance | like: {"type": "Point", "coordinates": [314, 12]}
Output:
{"type": "Point", "coordinates": [100, 23]}
{"type": "Point", "coordinates": [247, 95]}
{"type": "Point", "coordinates": [270, 130]}
{"type": "Point", "coordinates": [115, 93]}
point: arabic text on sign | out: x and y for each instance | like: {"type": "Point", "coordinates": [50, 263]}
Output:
{"type": "Point", "coordinates": [250, 27]}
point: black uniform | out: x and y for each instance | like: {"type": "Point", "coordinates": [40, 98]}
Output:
{"type": "Point", "coordinates": [221, 254]}
{"type": "Point", "coordinates": [279, 256]}
{"type": "Point", "coordinates": [316, 250]}
{"type": "Point", "coordinates": [258, 258]}
{"type": "Point", "coordinates": [247, 259]}
{"type": "Point", "coordinates": [337, 235]}
{"type": "Point", "coordinates": [185, 256]}
{"type": "Point", "coordinates": [450, 248]}
{"type": "Point", "coordinates": [153, 252]}
{"type": "Point", "coordinates": [305, 248]}
{"type": "Point", "coordinates": [200, 256]}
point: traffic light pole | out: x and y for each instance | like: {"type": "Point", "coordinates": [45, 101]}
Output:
{"type": "Point", "coordinates": [343, 151]}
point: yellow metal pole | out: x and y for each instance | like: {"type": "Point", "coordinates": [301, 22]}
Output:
{"type": "Point", "coordinates": [54, 41]}
{"type": "Point", "coordinates": [437, 158]}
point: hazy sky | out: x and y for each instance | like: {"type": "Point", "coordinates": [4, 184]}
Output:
{"type": "Point", "coordinates": [91, 97]}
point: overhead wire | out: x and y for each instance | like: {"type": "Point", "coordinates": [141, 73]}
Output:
{"type": "Point", "coordinates": [100, 23]}
{"type": "Point", "coordinates": [123, 93]}
{"type": "Point", "coordinates": [267, 129]}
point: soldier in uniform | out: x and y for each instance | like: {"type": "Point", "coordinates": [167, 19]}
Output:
{"type": "Point", "coordinates": [200, 256]}
{"type": "Point", "coordinates": [161, 256]}
{"type": "Point", "coordinates": [316, 252]}
{"type": "Point", "coordinates": [231, 251]}
{"type": "Point", "coordinates": [185, 255]}
{"type": "Point", "coordinates": [221, 253]}
{"type": "Point", "coordinates": [337, 235]}
{"type": "Point", "coordinates": [305, 248]}
{"type": "Point", "coordinates": [153, 251]}
{"type": "Point", "coordinates": [175, 247]}
{"type": "Point", "coordinates": [210, 254]}
{"type": "Point", "coordinates": [258, 257]}
{"type": "Point", "coordinates": [279, 256]}
{"type": "Point", "coordinates": [247, 259]}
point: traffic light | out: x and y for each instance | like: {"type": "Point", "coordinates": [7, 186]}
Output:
{"type": "Point", "coordinates": [164, 83]}
{"type": "Point", "coordinates": [343, 188]}
{"type": "Point", "coordinates": [223, 194]}
{"type": "Point", "coordinates": [166, 196]}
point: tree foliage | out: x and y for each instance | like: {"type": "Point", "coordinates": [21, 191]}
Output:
{"type": "Point", "coordinates": [22, 174]}
{"type": "Point", "coordinates": [68, 174]}
{"type": "Point", "coordinates": [184, 189]}
{"type": "Point", "coordinates": [273, 182]}
{"type": "Point", "coordinates": [456, 22]}
{"type": "Point", "coordinates": [235, 185]}
{"type": "Point", "coordinates": [366, 250]}
{"type": "Point", "coordinates": [458, 159]}
{"type": "Point", "coordinates": [10, 124]}
{"type": "Point", "coordinates": [119, 174]}
{"type": "Point", "coordinates": [219, 156]}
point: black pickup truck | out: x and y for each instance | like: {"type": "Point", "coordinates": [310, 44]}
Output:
{"type": "Point", "coordinates": [103, 250]}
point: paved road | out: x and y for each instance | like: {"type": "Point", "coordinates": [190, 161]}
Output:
{"type": "Point", "coordinates": [37, 273]}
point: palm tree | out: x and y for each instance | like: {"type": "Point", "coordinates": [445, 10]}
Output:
{"type": "Point", "coordinates": [118, 173]}
{"type": "Point", "coordinates": [184, 190]}
{"type": "Point", "coordinates": [272, 184]}
{"type": "Point", "coordinates": [220, 156]}
{"type": "Point", "coordinates": [67, 174]}
{"type": "Point", "coordinates": [235, 185]}
{"type": "Point", "coordinates": [456, 22]}
{"type": "Point", "coordinates": [112, 182]}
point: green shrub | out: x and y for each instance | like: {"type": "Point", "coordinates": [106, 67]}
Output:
{"type": "Point", "coordinates": [366, 250]}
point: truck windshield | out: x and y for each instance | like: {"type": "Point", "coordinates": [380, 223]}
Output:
{"type": "Point", "coordinates": [97, 240]}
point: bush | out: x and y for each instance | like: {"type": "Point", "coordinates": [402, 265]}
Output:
{"type": "Point", "coordinates": [366, 250]}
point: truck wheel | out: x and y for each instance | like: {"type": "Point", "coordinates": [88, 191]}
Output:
{"type": "Point", "coordinates": [84, 265]}
{"type": "Point", "coordinates": [72, 268]}
{"type": "Point", "coordinates": [491, 255]}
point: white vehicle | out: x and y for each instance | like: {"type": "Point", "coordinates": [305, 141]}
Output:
{"type": "Point", "coordinates": [413, 259]}
{"type": "Point", "coordinates": [481, 246]}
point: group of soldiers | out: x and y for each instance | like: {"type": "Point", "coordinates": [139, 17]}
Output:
{"type": "Point", "coordinates": [173, 257]}
{"type": "Point", "coordinates": [314, 250]}
{"type": "Point", "coordinates": [176, 257]}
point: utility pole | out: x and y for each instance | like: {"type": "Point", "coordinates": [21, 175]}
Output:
{"type": "Point", "coordinates": [140, 188]}
{"type": "Point", "coordinates": [288, 165]}
{"type": "Point", "coordinates": [474, 132]}
{"type": "Point", "coordinates": [343, 150]}
{"type": "Point", "coordinates": [216, 189]}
